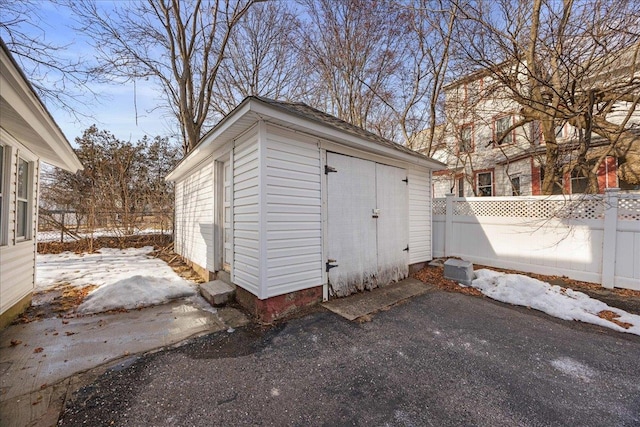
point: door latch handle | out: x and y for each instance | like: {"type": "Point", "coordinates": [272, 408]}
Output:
{"type": "Point", "coordinates": [375, 213]}
{"type": "Point", "coordinates": [329, 266]}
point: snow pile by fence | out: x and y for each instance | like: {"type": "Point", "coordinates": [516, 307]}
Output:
{"type": "Point", "coordinates": [559, 302]}
{"type": "Point", "coordinates": [592, 238]}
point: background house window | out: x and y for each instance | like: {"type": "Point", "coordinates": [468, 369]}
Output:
{"type": "Point", "coordinates": [484, 184]}
{"type": "Point", "coordinates": [461, 186]}
{"type": "Point", "coordinates": [579, 182]}
{"type": "Point", "coordinates": [557, 186]}
{"type": "Point", "coordinates": [515, 186]}
{"type": "Point", "coordinates": [500, 127]}
{"type": "Point", "coordinates": [23, 200]}
{"type": "Point", "coordinates": [466, 139]}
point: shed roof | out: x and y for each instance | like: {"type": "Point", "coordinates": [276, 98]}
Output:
{"type": "Point", "coordinates": [25, 117]}
{"type": "Point", "coordinates": [300, 117]}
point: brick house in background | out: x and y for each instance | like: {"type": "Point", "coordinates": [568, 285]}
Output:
{"type": "Point", "coordinates": [477, 110]}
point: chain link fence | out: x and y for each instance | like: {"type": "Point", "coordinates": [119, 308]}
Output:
{"type": "Point", "coordinates": [69, 226]}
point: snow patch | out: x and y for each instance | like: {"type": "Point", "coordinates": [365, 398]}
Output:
{"type": "Point", "coordinates": [133, 292]}
{"type": "Point", "coordinates": [125, 278]}
{"type": "Point", "coordinates": [559, 302]}
{"type": "Point", "coordinates": [573, 368]}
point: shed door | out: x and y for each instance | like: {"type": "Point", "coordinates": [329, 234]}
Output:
{"type": "Point", "coordinates": [369, 248]}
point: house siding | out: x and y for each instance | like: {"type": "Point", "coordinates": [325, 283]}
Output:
{"type": "Point", "coordinates": [419, 215]}
{"type": "Point", "coordinates": [18, 258]}
{"type": "Point", "coordinates": [294, 212]}
{"type": "Point", "coordinates": [246, 213]}
{"type": "Point", "coordinates": [194, 216]}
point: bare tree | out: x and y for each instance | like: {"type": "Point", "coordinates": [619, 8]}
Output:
{"type": "Point", "coordinates": [352, 46]}
{"type": "Point", "coordinates": [181, 44]}
{"type": "Point", "coordinates": [59, 78]}
{"type": "Point", "coordinates": [565, 62]}
{"type": "Point", "coordinates": [261, 58]}
{"type": "Point", "coordinates": [121, 185]}
{"type": "Point", "coordinates": [421, 77]}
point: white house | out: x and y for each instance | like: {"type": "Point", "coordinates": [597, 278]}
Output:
{"type": "Point", "coordinates": [28, 136]}
{"type": "Point", "coordinates": [299, 206]}
{"type": "Point", "coordinates": [478, 108]}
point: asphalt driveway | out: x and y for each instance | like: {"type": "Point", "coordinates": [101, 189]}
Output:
{"type": "Point", "coordinates": [440, 359]}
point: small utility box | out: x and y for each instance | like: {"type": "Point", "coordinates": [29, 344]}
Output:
{"type": "Point", "coordinates": [459, 270]}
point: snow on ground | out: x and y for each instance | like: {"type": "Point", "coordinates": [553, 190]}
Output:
{"type": "Point", "coordinates": [559, 302]}
{"type": "Point", "coordinates": [126, 278]}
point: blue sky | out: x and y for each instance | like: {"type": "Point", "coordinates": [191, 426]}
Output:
{"type": "Point", "coordinates": [113, 107]}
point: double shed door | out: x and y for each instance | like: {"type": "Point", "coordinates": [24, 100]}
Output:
{"type": "Point", "coordinates": [367, 224]}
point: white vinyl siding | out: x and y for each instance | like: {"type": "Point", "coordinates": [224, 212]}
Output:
{"type": "Point", "coordinates": [194, 216]}
{"type": "Point", "coordinates": [419, 215]}
{"type": "Point", "coordinates": [294, 212]}
{"type": "Point", "coordinates": [17, 256]}
{"type": "Point", "coordinates": [246, 213]}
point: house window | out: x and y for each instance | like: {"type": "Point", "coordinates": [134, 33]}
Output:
{"type": "Point", "coordinates": [484, 183]}
{"type": "Point", "coordinates": [560, 131]}
{"type": "Point", "coordinates": [466, 139]}
{"type": "Point", "coordinates": [23, 200]}
{"type": "Point", "coordinates": [461, 186]}
{"type": "Point", "coordinates": [500, 126]}
{"type": "Point", "coordinates": [558, 186]}
{"type": "Point", "coordinates": [515, 186]}
{"type": "Point", "coordinates": [579, 182]}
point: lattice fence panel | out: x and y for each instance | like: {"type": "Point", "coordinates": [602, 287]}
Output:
{"type": "Point", "coordinates": [439, 206]}
{"type": "Point", "coordinates": [629, 207]}
{"type": "Point", "coordinates": [588, 208]}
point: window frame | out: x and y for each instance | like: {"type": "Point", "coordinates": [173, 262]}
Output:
{"type": "Point", "coordinates": [461, 128]}
{"type": "Point", "coordinates": [515, 192]}
{"type": "Point", "coordinates": [28, 201]}
{"type": "Point", "coordinates": [578, 181]}
{"type": "Point", "coordinates": [477, 182]}
{"type": "Point", "coordinates": [512, 134]}
{"type": "Point", "coordinates": [460, 185]}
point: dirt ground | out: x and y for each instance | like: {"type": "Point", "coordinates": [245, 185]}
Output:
{"type": "Point", "coordinates": [624, 299]}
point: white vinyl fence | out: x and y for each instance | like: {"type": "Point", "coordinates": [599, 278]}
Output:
{"type": "Point", "coordinates": [591, 238]}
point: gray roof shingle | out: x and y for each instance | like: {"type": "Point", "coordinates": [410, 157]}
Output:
{"type": "Point", "coordinates": [310, 113]}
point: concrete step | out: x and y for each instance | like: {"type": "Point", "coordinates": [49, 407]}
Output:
{"type": "Point", "coordinates": [217, 292]}
{"type": "Point", "coordinates": [225, 277]}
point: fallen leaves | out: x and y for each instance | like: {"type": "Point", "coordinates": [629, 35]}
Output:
{"type": "Point", "coordinates": [38, 350]}
{"type": "Point", "coordinates": [613, 317]}
{"type": "Point", "coordinates": [432, 275]}
{"type": "Point", "coordinates": [15, 343]}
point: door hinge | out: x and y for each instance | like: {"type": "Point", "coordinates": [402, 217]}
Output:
{"type": "Point", "coordinates": [328, 169]}
{"type": "Point", "coordinates": [329, 265]}
{"type": "Point", "coordinates": [406, 249]}
{"type": "Point", "coordinates": [406, 180]}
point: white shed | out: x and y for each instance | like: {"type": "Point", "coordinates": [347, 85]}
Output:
{"type": "Point", "coordinates": [28, 135]}
{"type": "Point", "coordinates": [299, 206]}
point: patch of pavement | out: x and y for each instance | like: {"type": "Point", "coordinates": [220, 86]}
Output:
{"type": "Point", "coordinates": [440, 359]}
{"type": "Point", "coordinates": [38, 358]}
{"type": "Point", "coordinates": [368, 302]}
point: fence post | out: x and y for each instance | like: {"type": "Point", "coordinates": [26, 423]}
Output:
{"type": "Point", "coordinates": [610, 233]}
{"type": "Point", "coordinates": [448, 224]}
{"type": "Point", "coordinates": [62, 228]}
